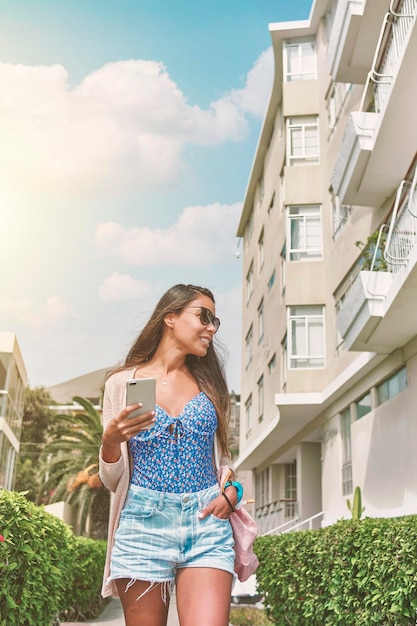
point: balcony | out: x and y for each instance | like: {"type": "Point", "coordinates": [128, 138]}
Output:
{"type": "Point", "coordinates": [378, 313]}
{"type": "Point", "coordinates": [353, 37]}
{"type": "Point", "coordinates": [379, 141]}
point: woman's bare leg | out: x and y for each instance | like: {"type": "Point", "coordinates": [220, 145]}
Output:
{"type": "Point", "coordinates": [150, 609]}
{"type": "Point", "coordinates": [203, 596]}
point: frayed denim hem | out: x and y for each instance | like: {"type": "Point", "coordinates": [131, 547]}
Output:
{"type": "Point", "coordinates": [167, 588]}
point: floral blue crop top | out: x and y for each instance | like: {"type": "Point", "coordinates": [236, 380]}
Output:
{"type": "Point", "coordinates": [176, 454]}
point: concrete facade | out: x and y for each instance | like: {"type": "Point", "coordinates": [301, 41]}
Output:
{"type": "Point", "coordinates": [329, 340]}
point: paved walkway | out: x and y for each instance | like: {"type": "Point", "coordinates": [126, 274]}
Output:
{"type": "Point", "coordinates": [113, 615]}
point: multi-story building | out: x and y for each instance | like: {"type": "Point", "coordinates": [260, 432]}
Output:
{"type": "Point", "coordinates": [329, 229]}
{"type": "Point", "coordinates": [13, 380]}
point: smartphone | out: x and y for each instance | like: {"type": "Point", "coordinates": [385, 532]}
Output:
{"type": "Point", "coordinates": [141, 390]}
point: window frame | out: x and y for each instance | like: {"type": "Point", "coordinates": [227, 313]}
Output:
{"type": "Point", "coordinates": [290, 488]}
{"type": "Point", "coordinates": [261, 397]}
{"type": "Point", "coordinates": [301, 124]}
{"type": "Point", "coordinates": [307, 221]}
{"type": "Point", "coordinates": [249, 346]}
{"type": "Point", "coordinates": [261, 325]}
{"type": "Point", "coordinates": [346, 441]}
{"type": "Point", "coordinates": [302, 60]}
{"type": "Point", "coordinates": [249, 282]}
{"type": "Point", "coordinates": [261, 250]}
{"type": "Point", "coordinates": [401, 380]}
{"type": "Point", "coordinates": [248, 413]}
{"type": "Point", "coordinates": [308, 318]}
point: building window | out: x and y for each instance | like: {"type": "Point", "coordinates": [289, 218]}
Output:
{"type": "Point", "coordinates": [261, 398]}
{"type": "Point", "coordinates": [306, 337]}
{"type": "Point", "coordinates": [261, 250]}
{"type": "Point", "coordinates": [303, 140]}
{"type": "Point", "coordinates": [283, 257]}
{"type": "Point", "coordinates": [347, 484]}
{"type": "Point", "coordinates": [261, 320]}
{"type": "Point", "coordinates": [248, 413]}
{"type": "Point", "coordinates": [249, 283]}
{"type": "Point", "coordinates": [300, 60]}
{"type": "Point", "coordinates": [272, 363]}
{"type": "Point", "coordinates": [305, 232]}
{"type": "Point", "coordinates": [363, 405]}
{"type": "Point", "coordinates": [392, 386]}
{"type": "Point", "coordinates": [284, 359]}
{"type": "Point", "coordinates": [249, 228]}
{"type": "Point", "coordinates": [290, 489]}
{"type": "Point", "coordinates": [271, 204]}
{"type": "Point", "coordinates": [261, 189]}
{"type": "Point", "coordinates": [249, 346]}
{"type": "Point", "coordinates": [271, 281]}
{"type": "Point", "coordinates": [262, 487]}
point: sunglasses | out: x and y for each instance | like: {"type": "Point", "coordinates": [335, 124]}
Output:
{"type": "Point", "coordinates": [207, 317]}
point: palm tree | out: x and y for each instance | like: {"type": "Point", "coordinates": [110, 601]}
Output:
{"type": "Point", "coordinates": [72, 462]}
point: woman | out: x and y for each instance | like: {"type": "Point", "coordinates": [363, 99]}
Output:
{"type": "Point", "coordinates": [170, 521]}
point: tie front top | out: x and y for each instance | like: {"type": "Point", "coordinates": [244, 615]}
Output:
{"type": "Point", "coordinates": [176, 454]}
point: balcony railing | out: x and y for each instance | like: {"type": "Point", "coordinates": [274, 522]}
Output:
{"type": "Point", "coordinates": [277, 513]}
{"type": "Point", "coordinates": [311, 523]}
{"type": "Point", "coordinates": [402, 233]}
{"type": "Point", "coordinates": [393, 35]}
{"type": "Point", "coordinates": [366, 315]}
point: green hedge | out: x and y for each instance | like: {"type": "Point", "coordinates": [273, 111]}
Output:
{"type": "Point", "coordinates": [83, 599]}
{"type": "Point", "coordinates": [353, 572]}
{"type": "Point", "coordinates": [44, 569]}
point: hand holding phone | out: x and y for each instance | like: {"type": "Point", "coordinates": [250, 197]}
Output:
{"type": "Point", "coordinates": [141, 390]}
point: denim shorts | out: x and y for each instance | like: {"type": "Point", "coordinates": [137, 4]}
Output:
{"type": "Point", "coordinates": [160, 533]}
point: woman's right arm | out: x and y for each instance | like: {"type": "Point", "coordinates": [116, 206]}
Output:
{"type": "Point", "coordinates": [118, 428]}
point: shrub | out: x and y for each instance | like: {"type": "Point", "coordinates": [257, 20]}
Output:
{"type": "Point", "coordinates": [35, 562]}
{"type": "Point", "coordinates": [83, 600]}
{"type": "Point", "coordinates": [354, 572]}
{"type": "Point", "coordinates": [44, 569]}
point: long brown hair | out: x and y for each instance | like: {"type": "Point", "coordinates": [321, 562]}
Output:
{"type": "Point", "coordinates": [208, 370]}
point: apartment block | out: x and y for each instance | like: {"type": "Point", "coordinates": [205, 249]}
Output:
{"type": "Point", "coordinates": [329, 240]}
{"type": "Point", "coordinates": [13, 380]}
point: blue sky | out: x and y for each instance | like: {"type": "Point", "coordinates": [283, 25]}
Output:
{"type": "Point", "coordinates": [128, 133]}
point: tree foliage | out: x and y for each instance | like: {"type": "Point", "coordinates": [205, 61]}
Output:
{"type": "Point", "coordinates": [36, 423]}
{"type": "Point", "coordinates": [71, 456]}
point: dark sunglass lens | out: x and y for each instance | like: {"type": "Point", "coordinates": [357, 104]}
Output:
{"type": "Point", "coordinates": [206, 316]}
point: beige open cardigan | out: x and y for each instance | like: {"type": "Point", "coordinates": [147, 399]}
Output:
{"type": "Point", "coordinates": [116, 476]}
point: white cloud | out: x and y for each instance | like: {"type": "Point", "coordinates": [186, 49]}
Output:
{"type": "Point", "coordinates": [38, 316]}
{"type": "Point", "coordinates": [254, 96]}
{"type": "Point", "coordinates": [123, 287]}
{"type": "Point", "coordinates": [126, 123]}
{"type": "Point", "coordinates": [201, 236]}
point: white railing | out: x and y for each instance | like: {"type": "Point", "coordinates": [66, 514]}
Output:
{"type": "Point", "coordinates": [402, 233]}
{"type": "Point", "coordinates": [276, 514]}
{"type": "Point", "coordinates": [394, 31]}
{"type": "Point", "coordinates": [295, 525]}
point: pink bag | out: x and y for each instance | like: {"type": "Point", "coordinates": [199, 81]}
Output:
{"type": "Point", "coordinates": [244, 533]}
